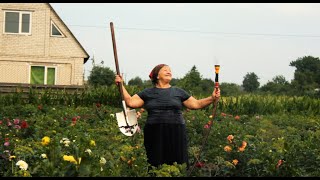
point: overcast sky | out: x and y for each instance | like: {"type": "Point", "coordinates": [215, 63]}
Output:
{"type": "Point", "coordinates": [240, 37]}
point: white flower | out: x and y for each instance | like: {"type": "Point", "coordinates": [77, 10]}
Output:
{"type": "Point", "coordinates": [44, 156]}
{"type": "Point", "coordinates": [65, 141]}
{"type": "Point", "coordinates": [103, 161]}
{"type": "Point", "coordinates": [88, 151]}
{"type": "Point", "coordinates": [23, 165]}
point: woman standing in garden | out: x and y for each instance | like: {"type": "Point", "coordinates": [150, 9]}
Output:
{"type": "Point", "coordinates": [165, 137]}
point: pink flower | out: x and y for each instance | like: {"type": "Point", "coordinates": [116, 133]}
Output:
{"type": "Point", "coordinates": [6, 143]}
{"type": "Point", "coordinates": [138, 129]}
{"type": "Point", "coordinates": [206, 126]}
{"type": "Point", "coordinates": [16, 121]}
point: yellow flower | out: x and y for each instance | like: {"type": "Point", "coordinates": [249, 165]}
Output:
{"type": "Point", "coordinates": [11, 157]}
{"type": "Point", "coordinates": [227, 148]}
{"type": "Point", "coordinates": [92, 143]}
{"type": "Point", "coordinates": [235, 162]}
{"type": "Point", "coordinates": [45, 141]}
{"type": "Point", "coordinates": [123, 158]}
{"type": "Point", "coordinates": [70, 159]}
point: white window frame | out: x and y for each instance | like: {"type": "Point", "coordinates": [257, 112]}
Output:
{"type": "Point", "coordinates": [20, 22]}
{"type": "Point", "coordinates": [45, 73]}
{"type": "Point", "coordinates": [54, 24]}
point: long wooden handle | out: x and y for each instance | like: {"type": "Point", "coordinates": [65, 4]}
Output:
{"type": "Point", "coordinates": [116, 57]}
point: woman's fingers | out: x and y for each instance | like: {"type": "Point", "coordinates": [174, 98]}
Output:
{"type": "Point", "coordinates": [118, 79]}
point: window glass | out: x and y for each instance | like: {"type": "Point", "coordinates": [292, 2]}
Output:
{"type": "Point", "coordinates": [12, 22]}
{"type": "Point", "coordinates": [25, 23]}
{"type": "Point", "coordinates": [55, 31]}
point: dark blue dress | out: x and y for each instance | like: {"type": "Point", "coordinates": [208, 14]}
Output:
{"type": "Point", "coordinates": [165, 137]}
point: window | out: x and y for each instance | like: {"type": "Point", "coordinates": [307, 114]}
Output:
{"type": "Point", "coordinates": [55, 31]}
{"type": "Point", "coordinates": [17, 22]}
{"type": "Point", "coordinates": [43, 75]}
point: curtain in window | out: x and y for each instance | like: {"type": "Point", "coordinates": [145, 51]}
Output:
{"type": "Point", "coordinates": [37, 75]}
{"type": "Point", "coordinates": [51, 76]}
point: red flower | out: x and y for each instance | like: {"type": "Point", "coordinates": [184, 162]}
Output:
{"type": "Point", "coordinates": [24, 124]}
{"type": "Point", "coordinates": [74, 119]}
{"type": "Point", "coordinates": [199, 164]}
{"type": "Point", "coordinates": [279, 163]}
{"type": "Point", "coordinates": [98, 105]}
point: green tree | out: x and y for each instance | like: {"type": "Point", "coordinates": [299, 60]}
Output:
{"type": "Point", "coordinates": [137, 81]}
{"type": "Point", "coordinates": [307, 73]}
{"type": "Point", "coordinates": [250, 82]}
{"type": "Point", "coordinates": [206, 86]}
{"type": "Point", "coordinates": [230, 89]}
{"type": "Point", "coordinates": [174, 81]}
{"type": "Point", "coordinates": [278, 85]}
{"type": "Point", "coordinates": [191, 81]}
{"type": "Point", "coordinates": [101, 76]}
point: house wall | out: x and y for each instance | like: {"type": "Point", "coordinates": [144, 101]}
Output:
{"type": "Point", "coordinates": [18, 52]}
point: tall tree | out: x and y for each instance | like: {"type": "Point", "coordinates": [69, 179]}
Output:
{"type": "Point", "coordinates": [191, 81]}
{"type": "Point", "coordinates": [100, 75]}
{"type": "Point", "coordinates": [278, 85]}
{"type": "Point", "coordinates": [137, 81]}
{"type": "Point", "coordinates": [307, 73]}
{"type": "Point", "coordinates": [230, 89]}
{"type": "Point", "coordinates": [250, 82]}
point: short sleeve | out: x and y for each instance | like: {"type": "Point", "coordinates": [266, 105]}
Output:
{"type": "Point", "coordinates": [184, 95]}
{"type": "Point", "coordinates": [143, 94]}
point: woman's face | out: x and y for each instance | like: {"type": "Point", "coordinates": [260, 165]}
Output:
{"type": "Point", "coordinates": [165, 74]}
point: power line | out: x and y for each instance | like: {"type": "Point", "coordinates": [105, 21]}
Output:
{"type": "Point", "coordinates": [206, 32]}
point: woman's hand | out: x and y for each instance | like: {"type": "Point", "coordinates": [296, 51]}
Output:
{"type": "Point", "coordinates": [216, 93]}
{"type": "Point", "coordinates": [118, 79]}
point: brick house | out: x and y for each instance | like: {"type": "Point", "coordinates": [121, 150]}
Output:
{"type": "Point", "coordinates": [36, 47]}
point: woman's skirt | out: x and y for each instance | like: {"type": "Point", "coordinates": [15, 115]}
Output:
{"type": "Point", "coordinates": [166, 144]}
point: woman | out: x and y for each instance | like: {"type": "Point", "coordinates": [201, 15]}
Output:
{"type": "Point", "coordinates": [165, 137]}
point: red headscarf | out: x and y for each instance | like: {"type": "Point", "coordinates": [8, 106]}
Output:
{"type": "Point", "coordinates": [156, 70]}
{"type": "Point", "coordinates": [154, 73]}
